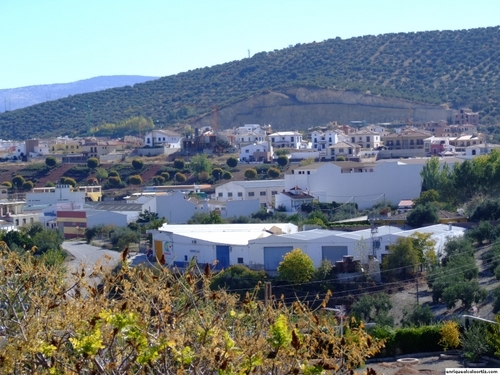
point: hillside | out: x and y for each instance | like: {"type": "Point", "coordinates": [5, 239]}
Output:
{"type": "Point", "coordinates": [22, 97]}
{"type": "Point", "coordinates": [450, 69]}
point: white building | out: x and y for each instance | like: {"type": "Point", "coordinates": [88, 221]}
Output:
{"type": "Point", "coordinates": [322, 140]}
{"type": "Point", "coordinates": [256, 152]}
{"type": "Point", "coordinates": [292, 200]}
{"type": "Point", "coordinates": [286, 139]}
{"type": "Point", "coordinates": [55, 195]}
{"type": "Point", "coordinates": [262, 246]}
{"type": "Point", "coordinates": [163, 137]}
{"type": "Point", "coordinates": [477, 150]}
{"type": "Point", "coordinates": [225, 243]}
{"type": "Point", "coordinates": [263, 190]}
{"type": "Point", "coordinates": [248, 134]}
{"type": "Point", "coordinates": [360, 183]}
{"type": "Point", "coordinates": [178, 208]}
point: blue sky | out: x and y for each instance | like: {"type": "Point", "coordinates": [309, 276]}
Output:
{"type": "Point", "coordinates": [58, 41]}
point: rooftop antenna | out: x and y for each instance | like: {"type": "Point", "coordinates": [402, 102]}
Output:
{"type": "Point", "coordinates": [248, 53]}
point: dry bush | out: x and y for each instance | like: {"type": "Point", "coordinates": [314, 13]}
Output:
{"type": "Point", "coordinates": [156, 321]}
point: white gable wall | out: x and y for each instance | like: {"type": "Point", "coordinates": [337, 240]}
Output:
{"type": "Point", "coordinates": [392, 181]}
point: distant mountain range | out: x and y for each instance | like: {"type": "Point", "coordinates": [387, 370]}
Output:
{"type": "Point", "coordinates": [12, 99]}
{"type": "Point", "coordinates": [391, 77]}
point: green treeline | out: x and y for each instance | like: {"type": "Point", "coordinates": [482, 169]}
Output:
{"type": "Point", "coordinates": [453, 68]}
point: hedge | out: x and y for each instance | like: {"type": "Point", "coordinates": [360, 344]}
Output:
{"type": "Point", "coordinates": [408, 340]}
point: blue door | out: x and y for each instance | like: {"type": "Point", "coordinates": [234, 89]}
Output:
{"type": "Point", "coordinates": [222, 255]}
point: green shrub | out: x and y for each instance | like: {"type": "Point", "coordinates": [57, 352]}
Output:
{"type": "Point", "coordinates": [408, 340]}
{"type": "Point", "coordinates": [418, 339]}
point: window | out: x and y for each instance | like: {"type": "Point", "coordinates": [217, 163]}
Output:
{"type": "Point", "coordinates": [240, 194]}
{"type": "Point", "coordinates": [251, 194]}
{"type": "Point", "coordinates": [291, 139]}
{"type": "Point", "coordinates": [274, 192]}
{"type": "Point", "coordinates": [247, 151]}
{"type": "Point", "coordinates": [185, 258]}
{"type": "Point", "coordinates": [308, 172]}
{"type": "Point", "coordinates": [220, 194]}
{"type": "Point", "coordinates": [229, 194]}
{"type": "Point", "coordinates": [262, 193]}
{"type": "Point", "coordinates": [240, 260]}
{"type": "Point", "coordinates": [330, 139]}
{"type": "Point", "coordinates": [367, 139]}
{"type": "Point", "coordinates": [353, 139]}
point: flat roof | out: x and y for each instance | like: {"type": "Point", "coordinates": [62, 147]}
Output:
{"type": "Point", "coordinates": [259, 183]}
{"type": "Point", "coordinates": [233, 234]}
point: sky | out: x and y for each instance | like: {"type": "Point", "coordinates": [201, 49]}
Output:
{"type": "Point", "coordinates": [60, 41]}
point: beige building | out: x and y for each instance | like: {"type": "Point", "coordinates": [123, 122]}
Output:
{"type": "Point", "coordinates": [345, 149]}
{"type": "Point", "coordinates": [466, 116]}
{"type": "Point", "coordinates": [366, 139]}
{"type": "Point", "coordinates": [406, 139]}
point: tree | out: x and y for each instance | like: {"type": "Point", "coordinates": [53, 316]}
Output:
{"type": "Point", "coordinates": [296, 267]}
{"type": "Point", "coordinates": [368, 307]}
{"type": "Point", "coordinates": [138, 164]}
{"type": "Point", "coordinates": [68, 181]}
{"type": "Point", "coordinates": [238, 277]}
{"type": "Point", "coordinates": [203, 177]}
{"type": "Point", "coordinates": [158, 180]}
{"type": "Point", "coordinates": [179, 164]}
{"type": "Point", "coordinates": [232, 162]}
{"type": "Point", "coordinates": [227, 175]}
{"type": "Point", "coordinates": [155, 321]}
{"type": "Point", "coordinates": [115, 181]}
{"type": "Point", "coordinates": [165, 175]}
{"type": "Point", "coordinates": [101, 174]}
{"type": "Point", "coordinates": [423, 214]}
{"type": "Point", "coordinates": [28, 185]}
{"type": "Point", "coordinates": [18, 181]}
{"type": "Point", "coordinates": [217, 173]}
{"type": "Point", "coordinates": [273, 172]}
{"type": "Point", "coordinates": [200, 163]}
{"type": "Point", "coordinates": [7, 184]}
{"type": "Point", "coordinates": [93, 163]}
{"type": "Point", "coordinates": [250, 173]}
{"type": "Point", "coordinates": [113, 173]}
{"type": "Point", "coordinates": [431, 178]}
{"type": "Point", "coordinates": [417, 315]}
{"type": "Point", "coordinates": [282, 160]}
{"type": "Point", "coordinates": [427, 196]}
{"type": "Point", "coordinates": [135, 179]}
{"type": "Point", "coordinates": [180, 177]}
{"type": "Point", "coordinates": [50, 161]}
{"type": "Point", "coordinates": [403, 258]}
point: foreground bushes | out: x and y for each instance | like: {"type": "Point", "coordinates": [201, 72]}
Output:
{"type": "Point", "coordinates": [409, 340]}
{"type": "Point", "coordinates": [159, 322]}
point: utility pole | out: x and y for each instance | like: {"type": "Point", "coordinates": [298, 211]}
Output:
{"type": "Point", "coordinates": [267, 293]}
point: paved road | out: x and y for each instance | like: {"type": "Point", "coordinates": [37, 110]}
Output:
{"type": "Point", "coordinates": [88, 255]}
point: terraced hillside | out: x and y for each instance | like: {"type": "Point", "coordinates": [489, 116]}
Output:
{"type": "Point", "coordinates": [447, 69]}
